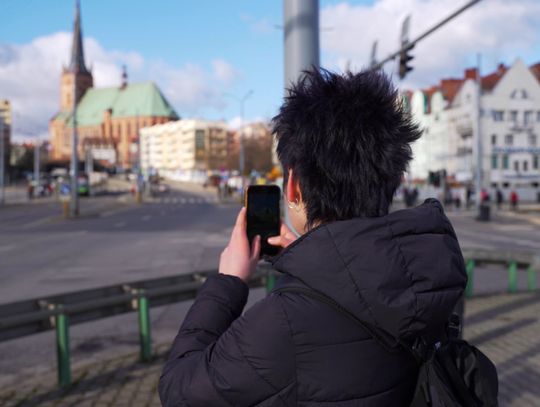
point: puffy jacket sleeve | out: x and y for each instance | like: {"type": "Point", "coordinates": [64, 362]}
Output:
{"type": "Point", "coordinates": [220, 358]}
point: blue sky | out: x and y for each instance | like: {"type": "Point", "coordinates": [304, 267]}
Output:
{"type": "Point", "coordinates": [198, 50]}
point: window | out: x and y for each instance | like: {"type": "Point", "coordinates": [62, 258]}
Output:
{"type": "Point", "coordinates": [535, 162]}
{"type": "Point", "coordinates": [532, 140]}
{"type": "Point", "coordinates": [199, 139]}
{"type": "Point", "coordinates": [516, 166]}
{"type": "Point", "coordinates": [513, 115]}
{"type": "Point", "coordinates": [525, 166]}
{"type": "Point", "coordinates": [505, 161]}
{"type": "Point", "coordinates": [509, 139]}
{"type": "Point", "coordinates": [538, 116]}
{"type": "Point", "coordinates": [494, 161]}
{"type": "Point", "coordinates": [519, 94]}
{"type": "Point", "coordinates": [498, 115]}
{"type": "Point", "coordinates": [527, 117]}
{"type": "Point", "coordinates": [493, 139]}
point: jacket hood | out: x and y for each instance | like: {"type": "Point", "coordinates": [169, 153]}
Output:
{"type": "Point", "coordinates": [402, 273]}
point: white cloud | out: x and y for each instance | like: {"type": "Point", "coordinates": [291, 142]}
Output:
{"type": "Point", "coordinates": [259, 25]}
{"type": "Point", "coordinates": [30, 79]}
{"type": "Point", "coordinates": [501, 30]}
{"type": "Point", "coordinates": [225, 72]}
{"type": "Point", "coordinates": [189, 88]}
{"type": "Point", "coordinates": [236, 122]}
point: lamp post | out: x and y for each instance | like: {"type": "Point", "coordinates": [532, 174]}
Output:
{"type": "Point", "coordinates": [74, 201]}
{"type": "Point", "coordinates": [2, 157]}
{"type": "Point", "coordinates": [36, 167]}
{"type": "Point", "coordinates": [241, 101]}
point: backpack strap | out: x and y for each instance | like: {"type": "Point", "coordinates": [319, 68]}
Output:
{"type": "Point", "coordinates": [386, 343]}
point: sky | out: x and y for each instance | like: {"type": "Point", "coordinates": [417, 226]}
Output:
{"type": "Point", "coordinates": [206, 54]}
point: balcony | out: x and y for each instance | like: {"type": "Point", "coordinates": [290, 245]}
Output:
{"type": "Point", "coordinates": [519, 126]}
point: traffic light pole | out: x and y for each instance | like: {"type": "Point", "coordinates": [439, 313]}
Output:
{"type": "Point", "coordinates": [301, 43]}
{"type": "Point", "coordinates": [74, 201]}
{"type": "Point", "coordinates": [2, 158]}
{"type": "Point", "coordinates": [478, 144]}
{"type": "Point", "coordinates": [410, 45]}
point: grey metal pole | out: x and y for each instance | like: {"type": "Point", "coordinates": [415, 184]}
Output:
{"type": "Point", "coordinates": [2, 163]}
{"type": "Point", "coordinates": [74, 201]}
{"type": "Point", "coordinates": [301, 37]}
{"type": "Point", "coordinates": [36, 168]}
{"type": "Point", "coordinates": [241, 157]}
{"type": "Point", "coordinates": [242, 147]}
{"type": "Point", "coordinates": [478, 144]}
{"type": "Point", "coordinates": [301, 43]}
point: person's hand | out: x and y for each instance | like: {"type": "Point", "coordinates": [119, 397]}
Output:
{"type": "Point", "coordinates": [238, 259]}
{"type": "Point", "coordinates": [285, 238]}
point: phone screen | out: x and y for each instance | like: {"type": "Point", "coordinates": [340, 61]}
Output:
{"type": "Point", "coordinates": [263, 215]}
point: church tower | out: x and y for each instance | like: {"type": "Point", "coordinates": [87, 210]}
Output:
{"type": "Point", "coordinates": [76, 73]}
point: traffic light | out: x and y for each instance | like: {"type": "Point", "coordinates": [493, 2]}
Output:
{"type": "Point", "coordinates": [404, 59]}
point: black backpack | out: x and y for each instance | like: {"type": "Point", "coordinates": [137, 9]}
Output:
{"type": "Point", "coordinates": [452, 373]}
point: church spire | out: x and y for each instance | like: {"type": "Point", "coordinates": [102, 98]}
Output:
{"type": "Point", "coordinates": [77, 64]}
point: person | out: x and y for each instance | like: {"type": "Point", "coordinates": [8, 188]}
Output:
{"type": "Point", "coordinates": [468, 196]}
{"type": "Point", "coordinates": [514, 198]}
{"type": "Point", "coordinates": [457, 201]}
{"type": "Point", "coordinates": [344, 143]}
{"type": "Point", "coordinates": [500, 198]}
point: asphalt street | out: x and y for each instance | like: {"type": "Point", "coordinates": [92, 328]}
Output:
{"type": "Point", "coordinates": [117, 241]}
{"type": "Point", "coordinates": [114, 241]}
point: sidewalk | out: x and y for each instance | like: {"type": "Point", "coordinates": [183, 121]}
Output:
{"type": "Point", "coordinates": [506, 327]}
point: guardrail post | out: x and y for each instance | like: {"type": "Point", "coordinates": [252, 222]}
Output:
{"type": "Point", "coordinates": [144, 327]}
{"type": "Point", "coordinates": [270, 281]}
{"type": "Point", "coordinates": [531, 278]}
{"type": "Point", "coordinates": [512, 277]}
{"type": "Point", "coordinates": [469, 289]}
{"type": "Point", "coordinates": [62, 347]}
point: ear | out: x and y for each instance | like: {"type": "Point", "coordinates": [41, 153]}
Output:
{"type": "Point", "coordinates": [293, 192]}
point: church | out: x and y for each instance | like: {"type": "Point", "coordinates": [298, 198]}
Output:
{"type": "Point", "coordinates": [107, 119]}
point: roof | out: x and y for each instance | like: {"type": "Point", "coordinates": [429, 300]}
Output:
{"type": "Point", "coordinates": [450, 87]}
{"type": "Point", "coordinates": [137, 99]}
{"type": "Point", "coordinates": [77, 64]}
{"type": "Point", "coordinates": [535, 69]}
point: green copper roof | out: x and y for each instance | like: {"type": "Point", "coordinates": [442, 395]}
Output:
{"type": "Point", "coordinates": [137, 99]}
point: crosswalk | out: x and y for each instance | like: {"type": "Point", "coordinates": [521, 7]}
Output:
{"type": "Point", "coordinates": [172, 200]}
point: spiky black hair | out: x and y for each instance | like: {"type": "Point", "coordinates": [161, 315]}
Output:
{"type": "Point", "coordinates": [347, 139]}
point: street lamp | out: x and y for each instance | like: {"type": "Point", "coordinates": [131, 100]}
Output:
{"type": "Point", "coordinates": [2, 157]}
{"type": "Point", "coordinates": [241, 101]}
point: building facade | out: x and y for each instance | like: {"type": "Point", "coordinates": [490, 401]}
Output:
{"type": "Point", "coordinates": [259, 148]}
{"type": "Point", "coordinates": [184, 149]}
{"type": "Point", "coordinates": [107, 119]}
{"type": "Point", "coordinates": [507, 119]}
{"type": "Point", "coordinates": [5, 128]}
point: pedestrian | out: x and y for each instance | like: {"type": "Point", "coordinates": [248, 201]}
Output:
{"type": "Point", "coordinates": [344, 143]}
{"type": "Point", "coordinates": [457, 201]}
{"type": "Point", "coordinates": [500, 198]}
{"type": "Point", "coordinates": [514, 198]}
{"type": "Point", "coordinates": [469, 193]}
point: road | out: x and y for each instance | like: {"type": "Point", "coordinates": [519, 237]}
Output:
{"type": "Point", "coordinates": [112, 242]}
{"type": "Point", "coordinates": [118, 241]}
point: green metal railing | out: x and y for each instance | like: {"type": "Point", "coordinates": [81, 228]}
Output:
{"type": "Point", "coordinates": [15, 324]}
{"type": "Point", "coordinates": [514, 263]}
{"type": "Point", "coordinates": [59, 312]}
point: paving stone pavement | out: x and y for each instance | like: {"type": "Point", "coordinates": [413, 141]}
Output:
{"type": "Point", "coordinates": [506, 327]}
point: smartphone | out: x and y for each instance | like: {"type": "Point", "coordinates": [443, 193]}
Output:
{"type": "Point", "coordinates": [263, 215]}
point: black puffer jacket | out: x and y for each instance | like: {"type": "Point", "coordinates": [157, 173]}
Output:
{"type": "Point", "coordinates": [402, 273]}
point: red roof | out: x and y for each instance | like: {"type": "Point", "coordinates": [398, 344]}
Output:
{"type": "Point", "coordinates": [535, 69]}
{"type": "Point", "coordinates": [450, 87]}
